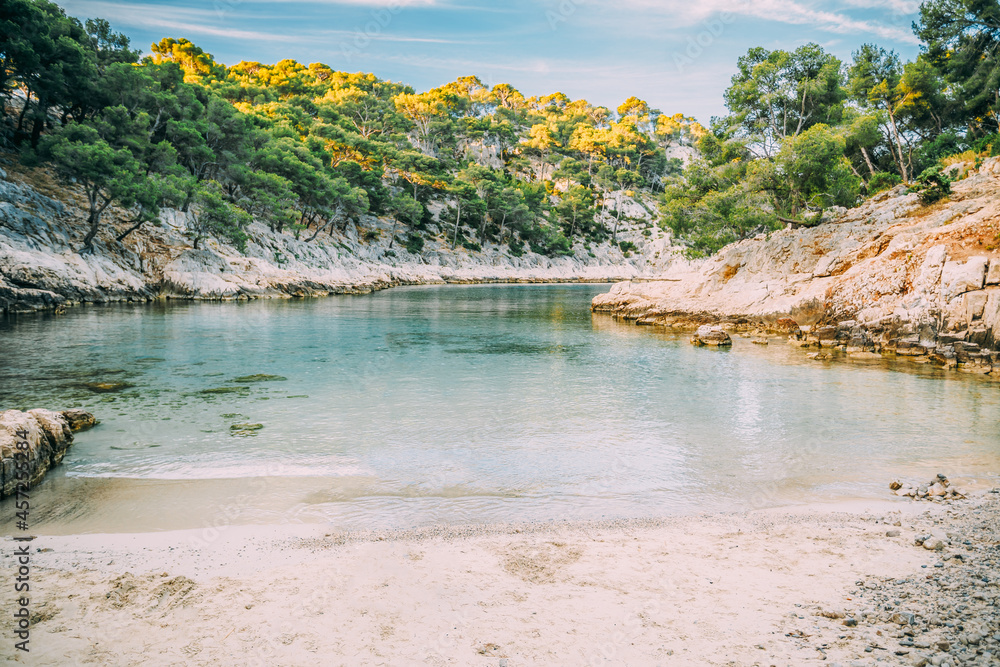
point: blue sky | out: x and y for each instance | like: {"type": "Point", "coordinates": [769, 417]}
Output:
{"type": "Point", "coordinates": [676, 54]}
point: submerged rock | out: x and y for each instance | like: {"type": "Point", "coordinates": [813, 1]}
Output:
{"type": "Point", "coordinates": [245, 429]}
{"type": "Point", "coordinates": [107, 387]}
{"type": "Point", "coordinates": [42, 435]}
{"type": "Point", "coordinates": [224, 390]}
{"type": "Point", "coordinates": [259, 377]}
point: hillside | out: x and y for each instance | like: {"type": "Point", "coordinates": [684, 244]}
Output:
{"type": "Point", "coordinates": [41, 221]}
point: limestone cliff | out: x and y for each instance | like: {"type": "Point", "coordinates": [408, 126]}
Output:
{"type": "Point", "coordinates": [887, 275]}
{"type": "Point", "coordinates": [42, 222]}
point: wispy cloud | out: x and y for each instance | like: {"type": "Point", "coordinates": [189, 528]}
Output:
{"type": "Point", "coordinates": [185, 21]}
{"type": "Point", "coordinates": [685, 13]}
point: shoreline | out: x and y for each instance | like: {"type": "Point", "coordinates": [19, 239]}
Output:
{"type": "Point", "coordinates": [722, 589]}
{"type": "Point", "coordinates": [357, 289]}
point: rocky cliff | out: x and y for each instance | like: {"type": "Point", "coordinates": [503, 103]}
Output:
{"type": "Point", "coordinates": [891, 276]}
{"type": "Point", "coordinates": [42, 222]}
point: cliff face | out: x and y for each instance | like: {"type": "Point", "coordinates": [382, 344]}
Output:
{"type": "Point", "coordinates": [41, 224]}
{"type": "Point", "coordinates": [890, 270]}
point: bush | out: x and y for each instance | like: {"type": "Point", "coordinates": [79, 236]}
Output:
{"type": "Point", "coordinates": [414, 244]}
{"type": "Point", "coordinates": [516, 247]}
{"type": "Point", "coordinates": [554, 244]}
{"type": "Point", "coordinates": [626, 246]}
{"type": "Point", "coordinates": [882, 181]}
{"type": "Point", "coordinates": [370, 235]}
{"type": "Point", "coordinates": [932, 185]}
{"type": "Point", "coordinates": [472, 245]}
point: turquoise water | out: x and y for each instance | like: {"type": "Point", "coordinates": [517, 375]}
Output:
{"type": "Point", "coordinates": [459, 404]}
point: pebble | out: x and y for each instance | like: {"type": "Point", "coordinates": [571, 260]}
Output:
{"type": "Point", "coordinates": [933, 544]}
{"type": "Point", "coordinates": [944, 616]}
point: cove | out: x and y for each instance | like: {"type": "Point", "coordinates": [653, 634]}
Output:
{"type": "Point", "coordinates": [460, 404]}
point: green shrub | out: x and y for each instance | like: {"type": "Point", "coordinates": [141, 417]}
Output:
{"type": "Point", "coordinates": [516, 247]}
{"type": "Point", "coordinates": [882, 181]}
{"type": "Point", "coordinates": [932, 185]}
{"type": "Point", "coordinates": [472, 245]}
{"type": "Point", "coordinates": [415, 244]}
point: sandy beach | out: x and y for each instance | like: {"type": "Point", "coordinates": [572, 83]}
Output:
{"type": "Point", "coordinates": [761, 588]}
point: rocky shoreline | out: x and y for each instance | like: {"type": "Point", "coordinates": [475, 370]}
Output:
{"type": "Point", "coordinates": [43, 436]}
{"type": "Point", "coordinates": [40, 269]}
{"type": "Point", "coordinates": [891, 278]}
{"type": "Point", "coordinates": [945, 614]}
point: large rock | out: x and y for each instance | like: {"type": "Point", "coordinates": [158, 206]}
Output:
{"type": "Point", "coordinates": [48, 435]}
{"type": "Point", "coordinates": [711, 336]}
{"type": "Point", "coordinates": [957, 278]}
{"type": "Point", "coordinates": [993, 274]}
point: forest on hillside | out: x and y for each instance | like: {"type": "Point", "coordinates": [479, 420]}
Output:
{"type": "Point", "coordinates": [309, 150]}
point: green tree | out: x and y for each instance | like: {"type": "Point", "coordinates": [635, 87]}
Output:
{"type": "Point", "coordinates": [778, 94]}
{"type": "Point", "coordinates": [962, 38]}
{"type": "Point", "coordinates": [575, 210]}
{"type": "Point", "coordinates": [216, 216]}
{"type": "Point", "coordinates": [406, 209]}
{"type": "Point", "coordinates": [816, 172]}
{"type": "Point", "coordinates": [106, 174]}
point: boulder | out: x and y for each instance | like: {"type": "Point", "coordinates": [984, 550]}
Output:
{"type": "Point", "coordinates": [975, 304]}
{"type": "Point", "coordinates": [42, 435]}
{"type": "Point", "coordinates": [993, 274]}
{"type": "Point", "coordinates": [711, 336]}
{"type": "Point", "coordinates": [957, 278]}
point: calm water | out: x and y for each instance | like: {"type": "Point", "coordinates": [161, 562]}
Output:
{"type": "Point", "coordinates": [453, 404]}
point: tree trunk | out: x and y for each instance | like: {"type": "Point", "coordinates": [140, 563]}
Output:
{"type": "Point", "coordinates": [24, 109]}
{"type": "Point", "coordinates": [320, 228]}
{"type": "Point", "coordinates": [458, 218]}
{"type": "Point", "coordinates": [137, 225]}
{"type": "Point", "coordinates": [95, 221]}
{"type": "Point", "coordinates": [899, 147]}
{"type": "Point", "coordinates": [868, 160]}
{"type": "Point", "coordinates": [618, 218]}
{"type": "Point", "coordinates": [36, 129]}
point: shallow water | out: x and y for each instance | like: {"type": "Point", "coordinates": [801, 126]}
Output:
{"type": "Point", "coordinates": [459, 404]}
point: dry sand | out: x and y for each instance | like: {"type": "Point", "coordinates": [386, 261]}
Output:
{"type": "Point", "coordinates": [741, 589]}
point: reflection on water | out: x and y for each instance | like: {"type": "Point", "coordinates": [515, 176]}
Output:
{"type": "Point", "coordinates": [461, 404]}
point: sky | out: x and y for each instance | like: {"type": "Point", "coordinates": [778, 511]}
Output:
{"type": "Point", "coordinates": [678, 55]}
